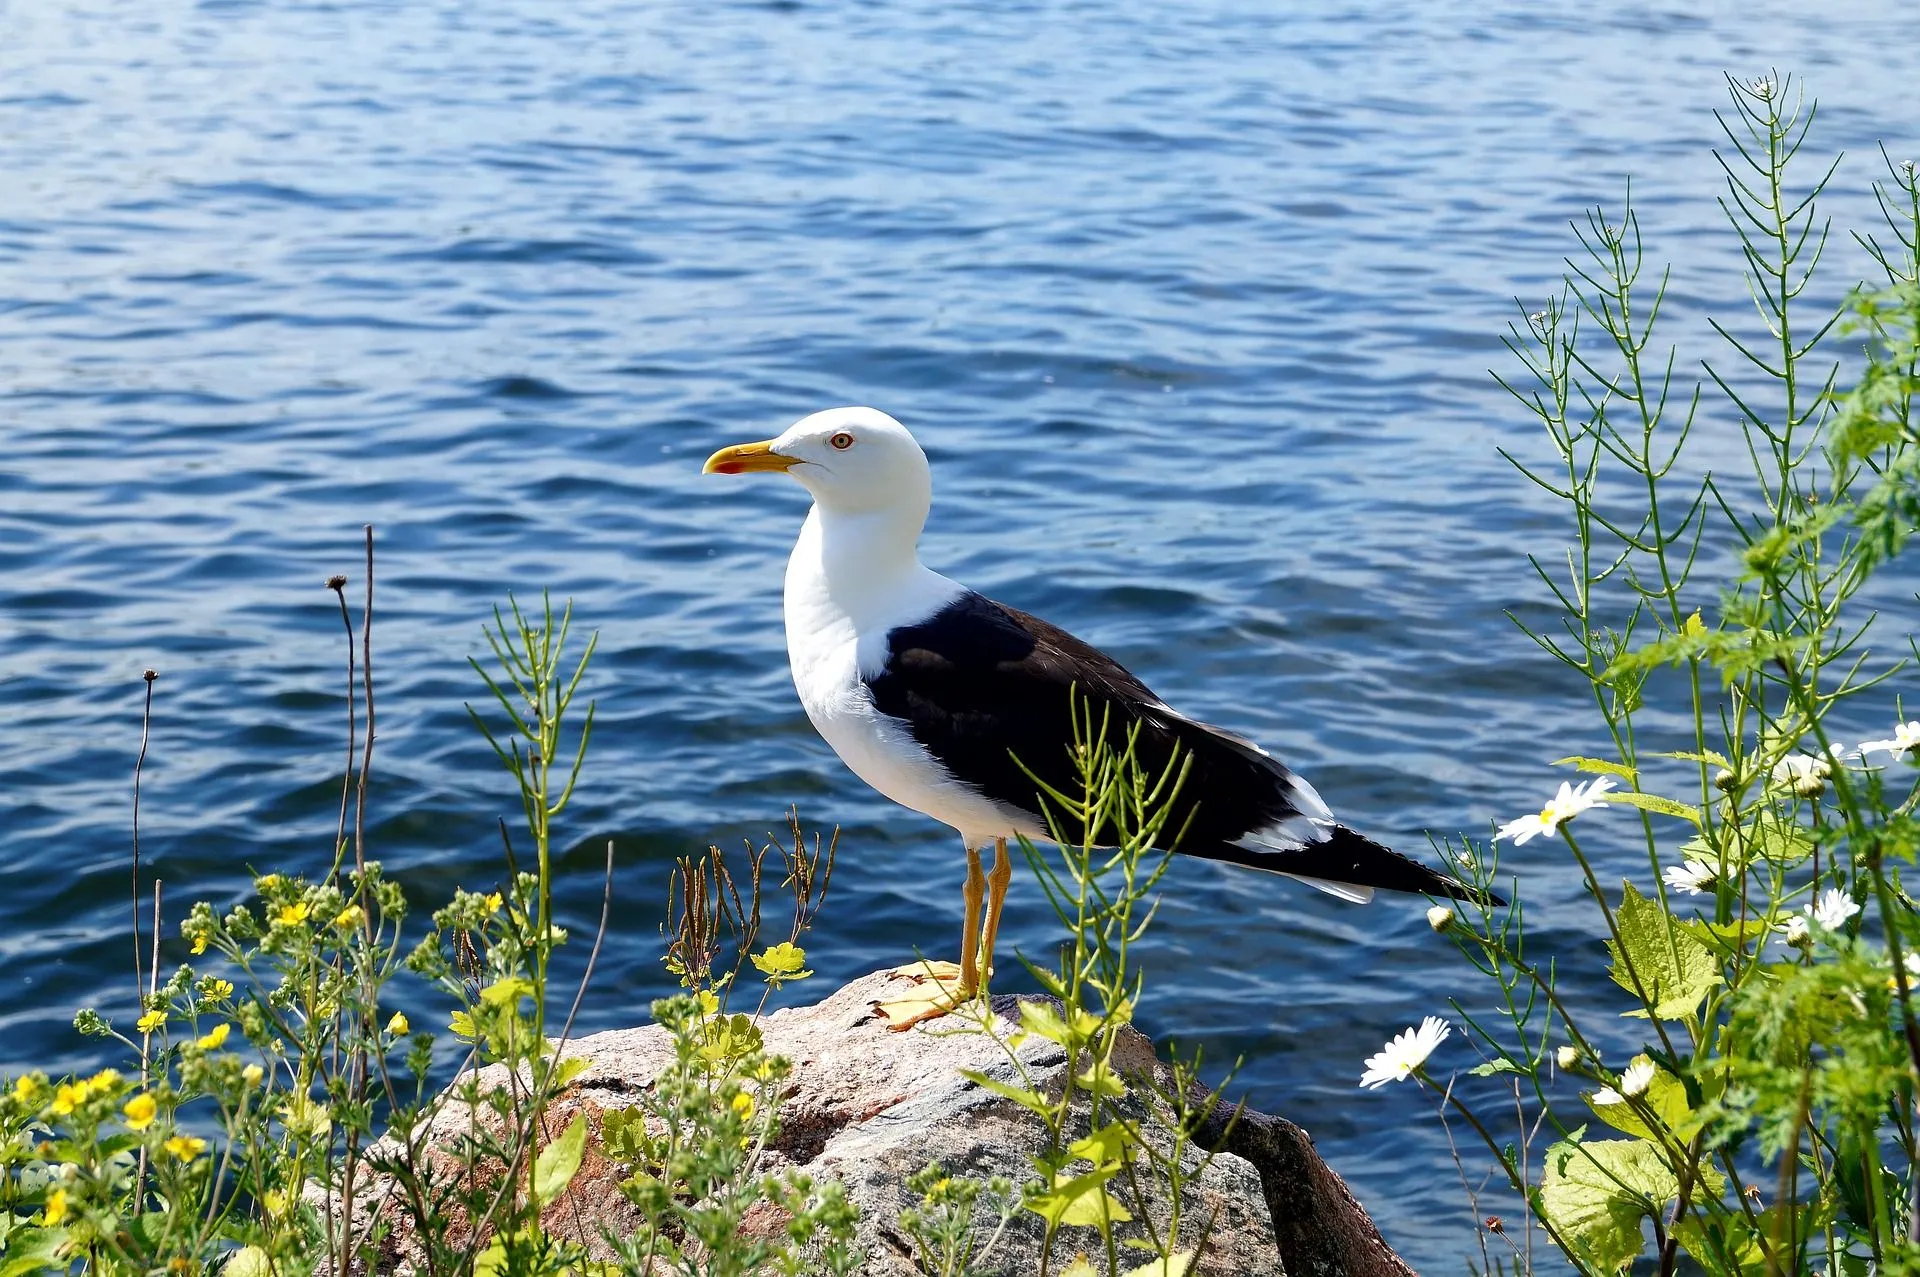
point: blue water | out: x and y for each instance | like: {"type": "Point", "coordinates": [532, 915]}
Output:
{"type": "Point", "coordinates": [1193, 306]}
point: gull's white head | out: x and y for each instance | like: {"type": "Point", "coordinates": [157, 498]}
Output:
{"type": "Point", "coordinates": [853, 460]}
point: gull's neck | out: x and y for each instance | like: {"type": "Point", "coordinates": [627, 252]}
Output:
{"type": "Point", "coordinates": [862, 570]}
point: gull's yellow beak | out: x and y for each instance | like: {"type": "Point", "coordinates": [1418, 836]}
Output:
{"type": "Point", "coordinates": [748, 458]}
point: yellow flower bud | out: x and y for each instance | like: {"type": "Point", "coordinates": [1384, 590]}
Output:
{"type": "Point", "coordinates": [56, 1211]}
{"type": "Point", "coordinates": [252, 1074]}
{"type": "Point", "coordinates": [398, 1025]}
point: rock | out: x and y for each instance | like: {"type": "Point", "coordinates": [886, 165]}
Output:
{"type": "Point", "coordinates": [869, 1107]}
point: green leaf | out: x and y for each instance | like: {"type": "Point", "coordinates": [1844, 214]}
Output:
{"type": "Point", "coordinates": [1675, 967]}
{"type": "Point", "coordinates": [1599, 766]}
{"type": "Point", "coordinates": [1111, 1143]}
{"type": "Point", "coordinates": [463, 1026]}
{"type": "Point", "coordinates": [1691, 756]}
{"type": "Point", "coordinates": [1033, 1101]}
{"type": "Point", "coordinates": [1665, 1097]}
{"type": "Point", "coordinates": [31, 1249]}
{"type": "Point", "coordinates": [783, 962]}
{"type": "Point", "coordinates": [570, 1068]}
{"type": "Point", "coordinates": [559, 1161]}
{"type": "Point", "coordinates": [1659, 806]}
{"type": "Point", "coordinates": [1174, 1265]}
{"type": "Point", "coordinates": [1102, 1081]}
{"type": "Point", "coordinates": [506, 992]}
{"type": "Point", "coordinates": [1491, 1067]}
{"type": "Point", "coordinates": [1597, 1193]}
{"type": "Point", "coordinates": [1040, 1019]}
{"type": "Point", "coordinates": [1081, 1201]}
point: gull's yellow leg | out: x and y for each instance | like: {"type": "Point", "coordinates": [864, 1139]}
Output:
{"type": "Point", "coordinates": [942, 986]}
{"type": "Point", "coordinates": [996, 899]}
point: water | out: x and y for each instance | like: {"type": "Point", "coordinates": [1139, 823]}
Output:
{"type": "Point", "coordinates": [1192, 306]}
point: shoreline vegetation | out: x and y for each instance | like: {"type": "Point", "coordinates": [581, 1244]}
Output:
{"type": "Point", "coordinates": [1763, 1121]}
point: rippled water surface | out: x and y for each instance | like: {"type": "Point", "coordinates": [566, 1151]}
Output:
{"type": "Point", "coordinates": [1192, 304]}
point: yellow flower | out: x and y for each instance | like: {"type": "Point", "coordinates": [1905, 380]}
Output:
{"type": "Point", "coordinates": [103, 1081]}
{"type": "Point", "coordinates": [275, 1201]}
{"type": "Point", "coordinates": [199, 944]}
{"type": "Point", "coordinates": [140, 1111]}
{"type": "Point", "coordinates": [744, 1106]}
{"type": "Point", "coordinates": [216, 989]}
{"type": "Point", "coordinates": [398, 1025]}
{"type": "Point", "coordinates": [186, 1147]}
{"type": "Point", "coordinates": [68, 1097]}
{"type": "Point", "coordinates": [151, 1021]}
{"type": "Point", "coordinates": [494, 902]}
{"type": "Point", "coordinates": [350, 917]}
{"type": "Point", "coordinates": [56, 1207]}
{"type": "Point", "coordinates": [252, 1074]}
{"type": "Point", "coordinates": [25, 1087]}
{"type": "Point", "coordinates": [291, 915]}
{"type": "Point", "coordinates": [266, 883]}
{"type": "Point", "coordinates": [214, 1040]}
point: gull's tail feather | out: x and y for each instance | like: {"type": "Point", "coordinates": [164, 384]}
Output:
{"type": "Point", "coordinates": [1346, 864]}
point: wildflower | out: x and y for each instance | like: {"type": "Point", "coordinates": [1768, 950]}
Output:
{"type": "Point", "coordinates": [1802, 773]}
{"type": "Point", "coordinates": [292, 915]}
{"type": "Point", "coordinates": [1724, 780]}
{"type": "Point", "coordinates": [1690, 878]}
{"type": "Point", "coordinates": [743, 1105]}
{"type": "Point", "coordinates": [151, 1021]}
{"type": "Point", "coordinates": [140, 1111]}
{"type": "Point", "coordinates": [493, 902]}
{"type": "Point", "coordinates": [1905, 741]}
{"type": "Point", "coordinates": [398, 1025]}
{"type": "Point", "coordinates": [1405, 1053]}
{"type": "Point", "coordinates": [350, 917]}
{"type": "Point", "coordinates": [1833, 909]}
{"type": "Point", "coordinates": [1605, 1096]}
{"type": "Point", "coordinates": [275, 1201]}
{"type": "Point", "coordinates": [1637, 1078]}
{"type": "Point", "coordinates": [252, 1074]}
{"type": "Point", "coordinates": [56, 1211]}
{"type": "Point", "coordinates": [1568, 1058]}
{"type": "Point", "coordinates": [25, 1087]}
{"type": "Point", "coordinates": [1763, 88]}
{"type": "Point", "coordinates": [216, 989]}
{"type": "Point", "coordinates": [1439, 917]}
{"type": "Point", "coordinates": [266, 883]}
{"type": "Point", "coordinates": [67, 1097]}
{"type": "Point", "coordinates": [1562, 807]}
{"type": "Point", "coordinates": [215, 1040]}
{"type": "Point", "coordinates": [185, 1147]}
{"type": "Point", "coordinates": [199, 944]}
{"type": "Point", "coordinates": [1795, 932]}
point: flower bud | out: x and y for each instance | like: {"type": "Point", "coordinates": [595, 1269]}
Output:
{"type": "Point", "coordinates": [1724, 780]}
{"type": "Point", "coordinates": [1568, 1058]}
{"type": "Point", "coordinates": [1811, 785]}
{"type": "Point", "coordinates": [1440, 917]}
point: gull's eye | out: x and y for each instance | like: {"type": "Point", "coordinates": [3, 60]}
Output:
{"type": "Point", "coordinates": [842, 441]}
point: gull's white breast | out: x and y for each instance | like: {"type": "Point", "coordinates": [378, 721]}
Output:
{"type": "Point", "coordinates": [836, 638]}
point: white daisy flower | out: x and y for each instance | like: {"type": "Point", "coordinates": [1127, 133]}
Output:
{"type": "Point", "coordinates": [1905, 741]}
{"type": "Point", "coordinates": [1795, 931]}
{"type": "Point", "coordinates": [1834, 908]}
{"type": "Point", "coordinates": [1691, 878]}
{"type": "Point", "coordinates": [1562, 807]}
{"type": "Point", "coordinates": [1407, 1052]}
{"type": "Point", "coordinates": [1637, 1078]}
{"type": "Point", "coordinates": [1607, 1095]}
{"type": "Point", "coordinates": [1799, 767]}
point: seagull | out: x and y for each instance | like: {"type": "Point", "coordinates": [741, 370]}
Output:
{"type": "Point", "coordinates": [962, 708]}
